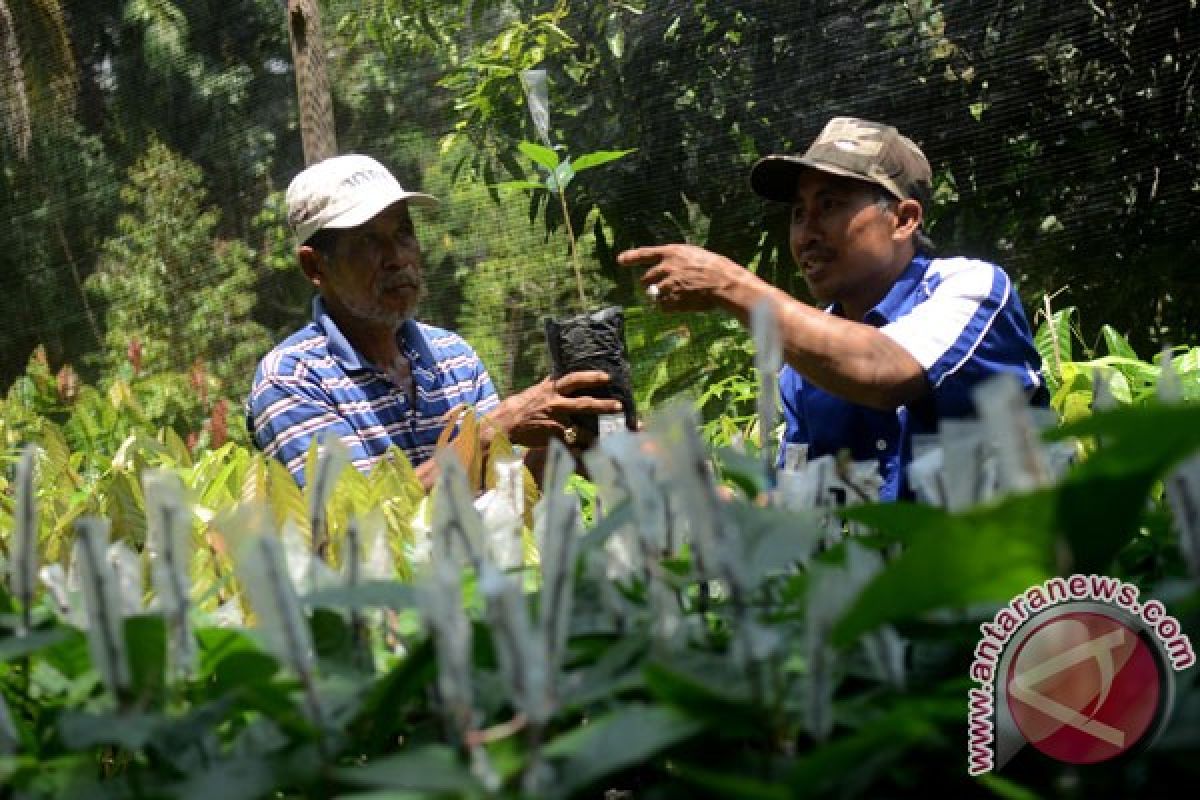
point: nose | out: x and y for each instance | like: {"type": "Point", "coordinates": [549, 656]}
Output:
{"type": "Point", "coordinates": [805, 229]}
{"type": "Point", "coordinates": [402, 252]}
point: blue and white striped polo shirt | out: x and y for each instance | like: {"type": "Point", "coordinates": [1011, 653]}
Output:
{"type": "Point", "coordinates": [316, 381]}
{"type": "Point", "coordinates": [962, 321]}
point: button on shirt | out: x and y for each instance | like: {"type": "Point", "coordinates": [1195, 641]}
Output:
{"type": "Point", "coordinates": [315, 382]}
{"type": "Point", "coordinates": [962, 321]}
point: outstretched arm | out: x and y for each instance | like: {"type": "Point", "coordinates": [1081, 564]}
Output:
{"type": "Point", "coordinates": [850, 359]}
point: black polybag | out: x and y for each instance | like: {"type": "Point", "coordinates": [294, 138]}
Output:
{"type": "Point", "coordinates": [594, 340]}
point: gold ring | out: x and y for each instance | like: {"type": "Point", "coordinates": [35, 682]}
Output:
{"type": "Point", "coordinates": [570, 435]}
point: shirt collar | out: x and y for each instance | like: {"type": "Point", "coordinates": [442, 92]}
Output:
{"type": "Point", "coordinates": [898, 298]}
{"type": "Point", "coordinates": [410, 338]}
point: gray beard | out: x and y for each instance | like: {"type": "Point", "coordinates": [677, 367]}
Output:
{"type": "Point", "coordinates": [374, 312]}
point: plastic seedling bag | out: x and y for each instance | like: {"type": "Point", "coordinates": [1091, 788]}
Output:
{"type": "Point", "coordinates": [23, 569]}
{"type": "Point", "coordinates": [520, 651]}
{"type": "Point", "coordinates": [594, 341]}
{"type": "Point", "coordinates": [1170, 386]}
{"type": "Point", "coordinates": [1183, 496]}
{"type": "Point", "coordinates": [262, 571]}
{"type": "Point", "coordinates": [102, 604]}
{"type": "Point", "coordinates": [10, 740]}
{"type": "Point", "coordinates": [969, 466]}
{"type": "Point", "coordinates": [1007, 423]}
{"type": "Point", "coordinates": [537, 95]}
{"type": "Point", "coordinates": [168, 544]}
{"type": "Point", "coordinates": [502, 510]}
{"type": "Point", "coordinates": [455, 518]}
{"type": "Point", "coordinates": [768, 358]}
{"type": "Point", "coordinates": [127, 570]}
{"type": "Point", "coordinates": [333, 457]}
{"type": "Point", "coordinates": [558, 545]}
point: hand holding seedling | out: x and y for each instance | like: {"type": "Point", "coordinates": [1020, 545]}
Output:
{"type": "Point", "coordinates": [542, 412]}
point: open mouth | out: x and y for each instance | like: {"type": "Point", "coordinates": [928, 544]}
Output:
{"type": "Point", "coordinates": [814, 268]}
{"type": "Point", "coordinates": [401, 282]}
{"type": "Point", "coordinates": [814, 264]}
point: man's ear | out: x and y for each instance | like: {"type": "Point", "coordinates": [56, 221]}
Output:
{"type": "Point", "coordinates": [312, 263]}
{"type": "Point", "coordinates": [909, 216]}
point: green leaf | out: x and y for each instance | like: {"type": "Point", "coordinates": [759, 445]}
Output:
{"type": "Point", "coordinates": [1005, 788]}
{"type": "Point", "coordinates": [848, 765]}
{"type": "Point", "coordinates": [146, 638]}
{"type": "Point", "coordinates": [230, 660]}
{"type": "Point", "coordinates": [737, 785]}
{"type": "Point", "coordinates": [432, 768]}
{"type": "Point", "coordinates": [616, 42]}
{"type": "Point", "coordinates": [543, 156]}
{"type": "Point", "coordinates": [14, 647]}
{"type": "Point", "coordinates": [386, 794]}
{"type": "Point", "coordinates": [380, 717]}
{"type": "Point", "coordinates": [612, 522]}
{"type": "Point", "coordinates": [1117, 344]}
{"type": "Point", "coordinates": [69, 656]}
{"type": "Point", "coordinates": [953, 560]}
{"type": "Point", "coordinates": [1102, 500]}
{"type": "Point", "coordinates": [1054, 341]}
{"type": "Point", "coordinates": [370, 594]}
{"type": "Point", "coordinates": [80, 731]}
{"type": "Point", "coordinates": [561, 177]}
{"type": "Point", "coordinates": [1072, 397]}
{"type": "Point", "coordinates": [774, 539]}
{"type": "Point", "coordinates": [629, 736]}
{"type": "Point", "coordinates": [706, 693]}
{"type": "Point", "coordinates": [243, 778]}
{"type": "Point", "coordinates": [595, 159]}
{"type": "Point", "coordinates": [332, 639]}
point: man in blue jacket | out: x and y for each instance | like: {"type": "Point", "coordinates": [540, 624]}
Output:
{"type": "Point", "coordinates": [904, 336]}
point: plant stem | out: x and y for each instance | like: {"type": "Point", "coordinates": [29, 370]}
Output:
{"type": "Point", "coordinates": [562, 199]}
{"type": "Point", "coordinates": [1053, 334]}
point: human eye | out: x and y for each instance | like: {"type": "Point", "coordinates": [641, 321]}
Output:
{"type": "Point", "coordinates": [831, 202]}
{"type": "Point", "coordinates": [797, 212]}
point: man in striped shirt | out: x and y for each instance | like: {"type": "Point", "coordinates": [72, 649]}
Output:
{"type": "Point", "coordinates": [364, 370]}
{"type": "Point", "coordinates": [904, 337]}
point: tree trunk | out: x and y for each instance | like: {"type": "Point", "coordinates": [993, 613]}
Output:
{"type": "Point", "coordinates": [14, 104]}
{"type": "Point", "coordinates": [312, 80]}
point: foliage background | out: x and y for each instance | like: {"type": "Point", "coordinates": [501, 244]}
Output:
{"type": "Point", "coordinates": [144, 148]}
{"type": "Point", "coordinates": [1063, 137]}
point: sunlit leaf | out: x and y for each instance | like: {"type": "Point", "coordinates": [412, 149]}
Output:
{"type": "Point", "coordinates": [540, 155]}
{"type": "Point", "coordinates": [589, 160]}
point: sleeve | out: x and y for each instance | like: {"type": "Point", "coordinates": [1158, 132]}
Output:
{"type": "Point", "coordinates": [795, 427]}
{"type": "Point", "coordinates": [971, 327]}
{"type": "Point", "coordinates": [286, 413]}
{"type": "Point", "coordinates": [482, 394]}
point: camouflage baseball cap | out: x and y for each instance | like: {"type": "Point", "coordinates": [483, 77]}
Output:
{"type": "Point", "coordinates": [854, 148]}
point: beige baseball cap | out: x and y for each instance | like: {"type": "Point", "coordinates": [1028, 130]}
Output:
{"type": "Point", "coordinates": [853, 148]}
{"type": "Point", "coordinates": [343, 192]}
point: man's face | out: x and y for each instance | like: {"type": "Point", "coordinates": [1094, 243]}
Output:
{"type": "Point", "coordinates": [375, 272]}
{"type": "Point", "coordinates": [842, 239]}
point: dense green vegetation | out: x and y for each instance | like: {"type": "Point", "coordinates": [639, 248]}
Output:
{"type": "Point", "coordinates": [144, 149]}
{"type": "Point", "coordinates": [815, 667]}
{"type": "Point", "coordinates": [1063, 137]}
